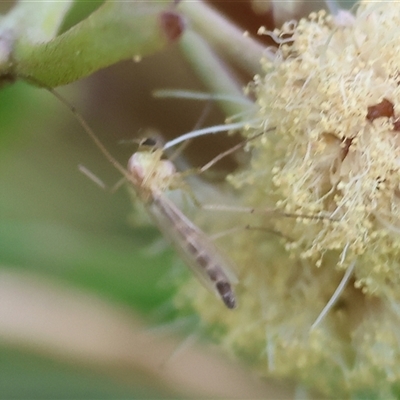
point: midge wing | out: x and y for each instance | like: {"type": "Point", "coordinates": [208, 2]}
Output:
{"type": "Point", "coordinates": [193, 245]}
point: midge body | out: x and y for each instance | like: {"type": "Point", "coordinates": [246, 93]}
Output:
{"type": "Point", "coordinates": [151, 177]}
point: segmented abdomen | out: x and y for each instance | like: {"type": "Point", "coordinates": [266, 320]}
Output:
{"type": "Point", "coordinates": [194, 246]}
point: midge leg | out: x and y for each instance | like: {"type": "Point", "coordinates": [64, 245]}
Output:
{"type": "Point", "coordinates": [237, 229]}
{"type": "Point", "coordinates": [94, 178]}
{"type": "Point", "coordinates": [220, 156]}
{"type": "Point", "coordinates": [273, 211]}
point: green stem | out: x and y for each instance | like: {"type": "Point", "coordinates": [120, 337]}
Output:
{"type": "Point", "coordinates": [224, 36]}
{"type": "Point", "coordinates": [115, 31]}
{"type": "Point", "coordinates": [213, 73]}
{"type": "Point", "coordinates": [36, 22]}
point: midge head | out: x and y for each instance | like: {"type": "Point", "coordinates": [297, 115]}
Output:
{"type": "Point", "coordinates": [150, 143]}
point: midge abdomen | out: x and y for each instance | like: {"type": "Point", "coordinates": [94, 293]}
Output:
{"type": "Point", "coordinates": [194, 247]}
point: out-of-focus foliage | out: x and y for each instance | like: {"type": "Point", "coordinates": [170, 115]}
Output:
{"type": "Point", "coordinates": [29, 376]}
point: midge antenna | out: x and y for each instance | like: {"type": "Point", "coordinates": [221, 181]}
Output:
{"type": "Point", "coordinates": [151, 176]}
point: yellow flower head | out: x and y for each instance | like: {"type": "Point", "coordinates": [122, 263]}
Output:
{"type": "Point", "coordinates": [331, 165]}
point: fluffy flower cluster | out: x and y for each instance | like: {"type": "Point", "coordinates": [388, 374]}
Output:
{"type": "Point", "coordinates": [331, 165]}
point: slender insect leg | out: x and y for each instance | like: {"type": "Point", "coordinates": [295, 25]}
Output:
{"type": "Point", "coordinates": [94, 178]}
{"type": "Point", "coordinates": [265, 210]}
{"type": "Point", "coordinates": [219, 157]}
{"type": "Point", "coordinates": [228, 152]}
{"type": "Point", "coordinates": [237, 229]}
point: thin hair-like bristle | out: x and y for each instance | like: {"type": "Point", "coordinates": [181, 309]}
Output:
{"type": "Point", "coordinates": [334, 298]}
